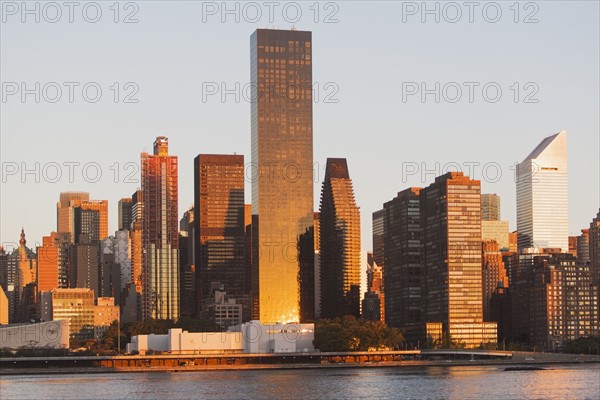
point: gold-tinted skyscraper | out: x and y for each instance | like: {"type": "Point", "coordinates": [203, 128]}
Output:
{"type": "Point", "coordinates": [282, 181]}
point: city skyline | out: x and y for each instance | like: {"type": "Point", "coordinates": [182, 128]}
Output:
{"type": "Point", "coordinates": [214, 132]}
{"type": "Point", "coordinates": [300, 197]}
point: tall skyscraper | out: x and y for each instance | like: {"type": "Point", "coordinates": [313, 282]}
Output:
{"type": "Point", "coordinates": [490, 207]}
{"type": "Point", "coordinates": [219, 218]}
{"type": "Point", "coordinates": [125, 213]}
{"type": "Point", "coordinates": [542, 195]}
{"type": "Point", "coordinates": [451, 229]}
{"type": "Point", "coordinates": [403, 272]}
{"type": "Point", "coordinates": [282, 182]}
{"type": "Point", "coordinates": [65, 211]}
{"type": "Point", "coordinates": [340, 257]}
{"type": "Point", "coordinates": [160, 233]}
{"type": "Point", "coordinates": [187, 265]}
{"type": "Point", "coordinates": [378, 237]}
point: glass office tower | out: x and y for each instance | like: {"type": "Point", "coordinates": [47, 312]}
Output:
{"type": "Point", "coordinates": [282, 176]}
{"type": "Point", "coordinates": [160, 233]}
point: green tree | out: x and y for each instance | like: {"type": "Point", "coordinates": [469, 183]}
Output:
{"type": "Point", "coordinates": [584, 345]}
{"type": "Point", "coordinates": [350, 334]}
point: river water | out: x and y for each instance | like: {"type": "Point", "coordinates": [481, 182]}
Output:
{"type": "Point", "coordinates": [471, 382]}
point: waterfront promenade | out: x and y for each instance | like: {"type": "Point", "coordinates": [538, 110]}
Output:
{"type": "Point", "coordinates": [208, 362]}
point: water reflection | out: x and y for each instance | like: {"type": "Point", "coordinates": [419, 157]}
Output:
{"type": "Point", "coordinates": [561, 382]}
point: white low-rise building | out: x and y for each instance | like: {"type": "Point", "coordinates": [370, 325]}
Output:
{"type": "Point", "coordinates": [251, 337]}
{"type": "Point", "coordinates": [43, 335]}
{"type": "Point", "coordinates": [277, 338]}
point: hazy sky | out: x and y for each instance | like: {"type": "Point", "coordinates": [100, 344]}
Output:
{"type": "Point", "coordinates": [371, 62]}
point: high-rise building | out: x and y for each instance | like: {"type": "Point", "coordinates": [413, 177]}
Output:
{"type": "Point", "coordinates": [125, 213]}
{"type": "Point", "coordinates": [116, 270]}
{"type": "Point", "coordinates": [187, 265]}
{"type": "Point", "coordinates": [282, 181]}
{"type": "Point", "coordinates": [131, 302]}
{"type": "Point", "coordinates": [403, 272]}
{"type": "Point", "coordinates": [340, 256]}
{"type": "Point", "coordinates": [219, 218]}
{"type": "Point", "coordinates": [48, 270]}
{"type": "Point", "coordinates": [160, 233]}
{"type": "Point", "coordinates": [317, 269]}
{"type": "Point", "coordinates": [513, 245]}
{"type": "Point", "coordinates": [378, 236]}
{"type": "Point", "coordinates": [563, 301]}
{"type": "Point", "coordinates": [490, 207]}
{"type": "Point", "coordinates": [373, 303]}
{"type": "Point", "coordinates": [91, 218]}
{"type": "Point", "coordinates": [85, 264]}
{"type": "Point", "coordinates": [493, 275]}
{"type": "Point", "coordinates": [594, 233]}
{"type": "Point", "coordinates": [54, 261]}
{"type": "Point", "coordinates": [542, 195]}
{"type": "Point", "coordinates": [3, 268]}
{"type": "Point", "coordinates": [65, 211]}
{"type": "Point", "coordinates": [572, 246]}
{"type": "Point", "coordinates": [3, 307]}
{"type": "Point", "coordinates": [21, 273]}
{"type": "Point", "coordinates": [496, 231]}
{"type": "Point", "coordinates": [136, 240]}
{"type": "Point", "coordinates": [583, 247]}
{"type": "Point", "coordinates": [451, 256]}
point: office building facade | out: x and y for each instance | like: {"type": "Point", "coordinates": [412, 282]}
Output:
{"type": "Point", "coordinates": [542, 195]}
{"type": "Point", "coordinates": [282, 179]}
{"type": "Point", "coordinates": [340, 253]}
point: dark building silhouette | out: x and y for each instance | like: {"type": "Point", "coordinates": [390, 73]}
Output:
{"type": "Point", "coordinates": [125, 213]}
{"type": "Point", "coordinates": [187, 267]}
{"type": "Point", "coordinates": [403, 272]}
{"type": "Point", "coordinates": [219, 219]}
{"type": "Point", "coordinates": [378, 237]}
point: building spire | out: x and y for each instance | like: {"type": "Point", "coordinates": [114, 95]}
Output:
{"type": "Point", "coordinates": [22, 241]}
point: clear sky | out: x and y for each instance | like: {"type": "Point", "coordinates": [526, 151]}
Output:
{"type": "Point", "coordinates": [370, 61]}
